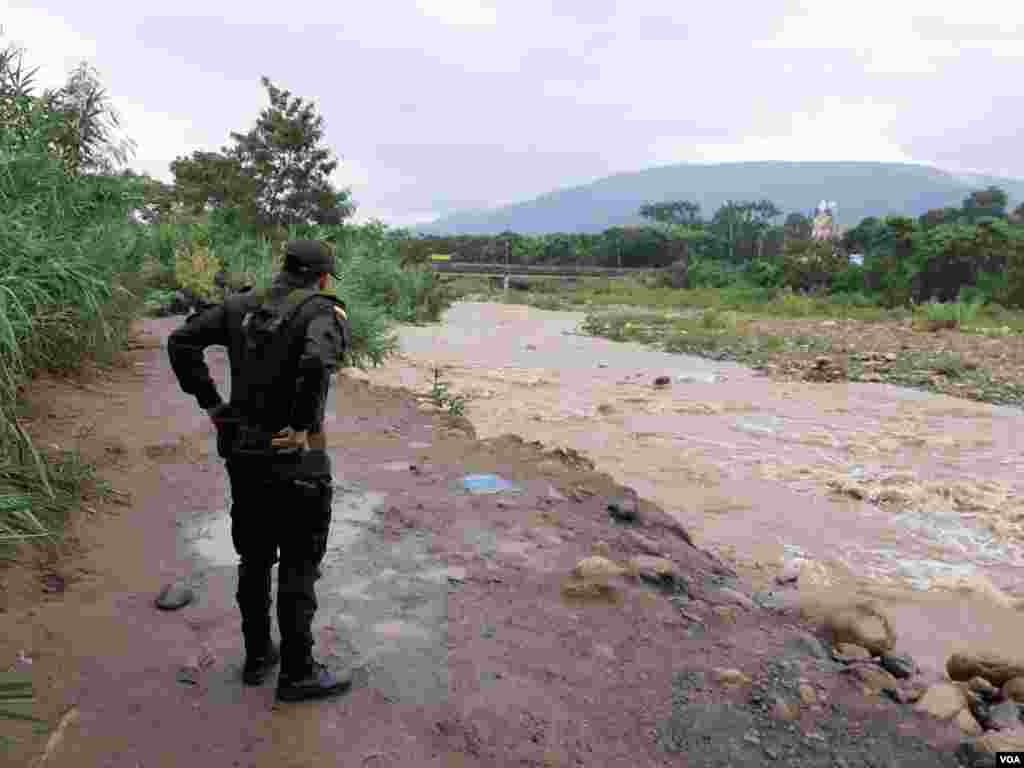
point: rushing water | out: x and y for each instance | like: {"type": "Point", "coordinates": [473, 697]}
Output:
{"type": "Point", "coordinates": [758, 470]}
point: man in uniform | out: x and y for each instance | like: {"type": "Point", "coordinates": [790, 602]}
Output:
{"type": "Point", "coordinates": [283, 344]}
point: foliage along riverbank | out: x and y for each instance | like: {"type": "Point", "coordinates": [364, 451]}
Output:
{"type": "Point", "coordinates": [964, 350]}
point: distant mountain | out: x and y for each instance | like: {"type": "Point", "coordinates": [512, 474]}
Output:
{"type": "Point", "coordinates": [859, 189]}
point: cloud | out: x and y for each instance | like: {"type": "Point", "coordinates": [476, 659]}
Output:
{"type": "Point", "coordinates": [459, 12]}
{"type": "Point", "coordinates": [38, 31]}
{"type": "Point", "coordinates": [838, 131]}
{"type": "Point", "coordinates": [436, 105]}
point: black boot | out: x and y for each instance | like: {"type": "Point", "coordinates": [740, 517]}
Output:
{"type": "Point", "coordinates": [317, 683]}
{"type": "Point", "coordinates": [261, 655]}
{"type": "Point", "coordinates": [258, 667]}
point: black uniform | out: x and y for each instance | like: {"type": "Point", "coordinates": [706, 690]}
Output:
{"type": "Point", "coordinates": [281, 504]}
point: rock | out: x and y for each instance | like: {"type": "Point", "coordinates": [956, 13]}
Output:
{"type": "Point", "coordinates": [805, 642]}
{"type": "Point", "coordinates": [455, 574]}
{"type": "Point", "coordinates": [784, 710]}
{"type": "Point", "coordinates": [726, 596]}
{"type": "Point", "coordinates": [847, 652]}
{"type": "Point", "coordinates": [554, 495]}
{"type": "Point", "coordinates": [625, 509]}
{"type": "Point", "coordinates": [644, 544]}
{"type": "Point", "coordinates": [984, 688]}
{"type": "Point", "coordinates": [189, 673]}
{"type": "Point", "coordinates": [790, 572]}
{"type": "Point", "coordinates": [174, 596]}
{"type": "Point", "coordinates": [813, 575]}
{"type": "Point", "coordinates": [982, 750]}
{"type": "Point", "coordinates": [590, 591]}
{"type": "Point", "coordinates": [808, 695]}
{"type": "Point", "coordinates": [862, 624]}
{"type": "Point", "coordinates": [942, 701]}
{"type": "Point", "coordinates": [1013, 689]}
{"type": "Point", "coordinates": [967, 724]}
{"type": "Point", "coordinates": [899, 665]}
{"type": "Point", "coordinates": [662, 381]}
{"type": "Point", "coordinates": [601, 549]}
{"type": "Point", "coordinates": [873, 679]}
{"type": "Point", "coordinates": [1004, 716]}
{"type": "Point", "coordinates": [730, 676]}
{"type": "Point", "coordinates": [912, 693]}
{"type": "Point", "coordinates": [995, 668]}
{"type": "Point", "coordinates": [659, 570]}
{"type": "Point", "coordinates": [597, 567]}
{"type": "Point", "coordinates": [727, 613]}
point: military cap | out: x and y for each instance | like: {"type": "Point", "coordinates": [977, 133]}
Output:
{"type": "Point", "coordinates": [310, 256]}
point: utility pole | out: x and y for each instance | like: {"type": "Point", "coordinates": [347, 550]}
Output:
{"type": "Point", "coordinates": [507, 268]}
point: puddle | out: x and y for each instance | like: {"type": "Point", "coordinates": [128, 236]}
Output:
{"type": "Point", "coordinates": [383, 607]}
{"type": "Point", "coordinates": [210, 538]}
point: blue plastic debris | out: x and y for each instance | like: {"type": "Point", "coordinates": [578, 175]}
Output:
{"type": "Point", "coordinates": [486, 484]}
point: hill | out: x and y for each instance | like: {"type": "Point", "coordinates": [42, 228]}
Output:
{"type": "Point", "coordinates": [860, 189]}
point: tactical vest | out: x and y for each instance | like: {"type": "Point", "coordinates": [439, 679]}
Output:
{"type": "Point", "coordinates": [263, 396]}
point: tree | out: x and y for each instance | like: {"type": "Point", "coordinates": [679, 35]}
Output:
{"type": "Point", "coordinates": [16, 91]}
{"type": "Point", "coordinates": [797, 227]}
{"type": "Point", "coordinates": [745, 221]}
{"type": "Point", "coordinates": [1017, 217]}
{"type": "Point", "coordinates": [82, 123]}
{"type": "Point", "coordinates": [278, 173]}
{"type": "Point", "coordinates": [991, 201]}
{"type": "Point", "coordinates": [90, 142]}
{"type": "Point", "coordinates": [215, 180]}
{"type": "Point", "coordinates": [291, 169]}
{"type": "Point", "coordinates": [680, 212]}
{"type": "Point", "coordinates": [938, 216]}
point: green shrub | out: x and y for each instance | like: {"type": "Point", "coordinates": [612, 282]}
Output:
{"type": "Point", "coordinates": [707, 273]}
{"type": "Point", "coordinates": [949, 315]}
{"type": "Point", "coordinates": [850, 279]}
{"type": "Point", "coordinates": [811, 265]}
{"type": "Point", "coordinates": [853, 299]}
{"type": "Point", "coordinates": [766, 274]}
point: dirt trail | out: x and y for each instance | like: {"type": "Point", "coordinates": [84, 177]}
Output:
{"type": "Point", "coordinates": [450, 606]}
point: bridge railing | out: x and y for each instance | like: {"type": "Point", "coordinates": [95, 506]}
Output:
{"type": "Point", "coordinates": [465, 267]}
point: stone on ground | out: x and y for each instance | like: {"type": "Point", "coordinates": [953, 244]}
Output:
{"type": "Point", "coordinates": [597, 567]}
{"type": "Point", "coordinates": [862, 624]}
{"type": "Point", "coordinates": [175, 596]}
{"type": "Point", "coordinates": [996, 668]}
{"type": "Point", "coordinates": [943, 701]}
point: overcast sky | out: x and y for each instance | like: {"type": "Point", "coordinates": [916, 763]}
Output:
{"type": "Point", "coordinates": [440, 105]}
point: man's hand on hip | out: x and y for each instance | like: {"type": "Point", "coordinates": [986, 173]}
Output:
{"type": "Point", "coordinates": [290, 441]}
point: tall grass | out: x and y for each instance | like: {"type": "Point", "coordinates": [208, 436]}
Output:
{"type": "Point", "coordinates": [65, 240]}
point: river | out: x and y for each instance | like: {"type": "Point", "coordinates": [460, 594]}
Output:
{"type": "Point", "coordinates": [908, 497]}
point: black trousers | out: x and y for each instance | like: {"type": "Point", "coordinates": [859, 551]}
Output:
{"type": "Point", "coordinates": [280, 512]}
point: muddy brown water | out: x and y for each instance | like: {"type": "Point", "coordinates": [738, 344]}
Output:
{"type": "Point", "coordinates": [449, 607]}
{"type": "Point", "coordinates": [750, 466]}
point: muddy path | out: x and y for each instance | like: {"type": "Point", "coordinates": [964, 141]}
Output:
{"type": "Point", "coordinates": [452, 608]}
{"type": "Point", "coordinates": [873, 488]}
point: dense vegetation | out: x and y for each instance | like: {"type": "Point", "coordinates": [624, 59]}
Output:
{"type": "Point", "coordinates": [86, 244]}
{"type": "Point", "coordinates": [974, 251]}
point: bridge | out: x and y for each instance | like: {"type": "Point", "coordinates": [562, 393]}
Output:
{"type": "Point", "coordinates": [533, 270]}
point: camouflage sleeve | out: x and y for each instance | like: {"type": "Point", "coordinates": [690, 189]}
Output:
{"type": "Point", "coordinates": [321, 356]}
